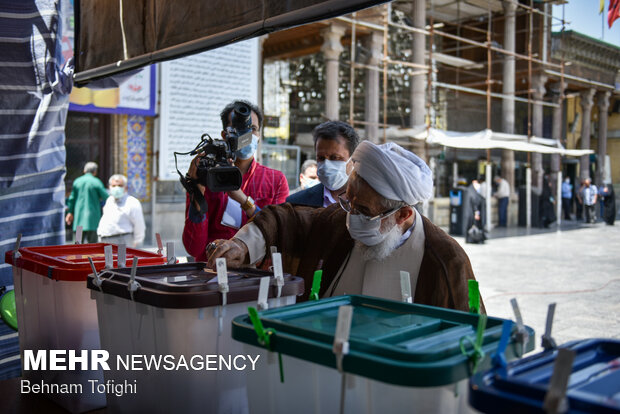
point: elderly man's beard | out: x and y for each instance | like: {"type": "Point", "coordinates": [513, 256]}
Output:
{"type": "Point", "coordinates": [386, 247]}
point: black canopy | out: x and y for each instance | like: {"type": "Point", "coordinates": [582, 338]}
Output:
{"type": "Point", "coordinates": [157, 30]}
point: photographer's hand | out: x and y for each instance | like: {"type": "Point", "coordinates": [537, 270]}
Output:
{"type": "Point", "coordinates": [247, 204]}
{"type": "Point", "coordinates": [193, 174]}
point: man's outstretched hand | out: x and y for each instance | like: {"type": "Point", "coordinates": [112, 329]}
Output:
{"type": "Point", "coordinates": [234, 251]}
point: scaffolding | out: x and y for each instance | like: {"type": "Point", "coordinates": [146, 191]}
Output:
{"type": "Point", "coordinates": [463, 67]}
{"type": "Point", "coordinates": [547, 67]}
{"type": "Point", "coordinates": [462, 60]}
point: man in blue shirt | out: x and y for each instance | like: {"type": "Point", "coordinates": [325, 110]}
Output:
{"type": "Point", "coordinates": [567, 196]}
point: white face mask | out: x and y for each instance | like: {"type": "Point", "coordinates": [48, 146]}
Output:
{"type": "Point", "coordinates": [310, 182]}
{"type": "Point", "coordinates": [333, 174]}
{"type": "Point", "coordinates": [366, 231]}
{"type": "Point", "coordinates": [249, 150]}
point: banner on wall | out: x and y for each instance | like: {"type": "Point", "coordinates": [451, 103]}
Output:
{"type": "Point", "coordinates": [135, 96]}
{"type": "Point", "coordinates": [194, 90]}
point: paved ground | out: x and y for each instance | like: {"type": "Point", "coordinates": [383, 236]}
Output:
{"type": "Point", "coordinates": [577, 267]}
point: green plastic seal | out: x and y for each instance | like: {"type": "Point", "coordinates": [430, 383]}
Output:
{"type": "Point", "coordinates": [8, 310]}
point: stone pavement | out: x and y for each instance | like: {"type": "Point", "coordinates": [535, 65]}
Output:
{"type": "Point", "coordinates": [577, 267]}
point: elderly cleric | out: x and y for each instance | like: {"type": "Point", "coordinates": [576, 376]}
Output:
{"type": "Point", "coordinates": [364, 241]}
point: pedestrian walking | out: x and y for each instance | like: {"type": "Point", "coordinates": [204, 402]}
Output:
{"type": "Point", "coordinates": [503, 195]}
{"type": "Point", "coordinates": [609, 203]}
{"type": "Point", "coordinates": [567, 196]}
{"type": "Point", "coordinates": [589, 196]}
{"type": "Point", "coordinates": [122, 221]}
{"type": "Point", "coordinates": [84, 203]}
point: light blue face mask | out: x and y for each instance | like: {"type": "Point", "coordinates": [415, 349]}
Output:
{"type": "Point", "coordinates": [366, 231]}
{"type": "Point", "coordinates": [249, 150]}
{"type": "Point", "coordinates": [311, 182]}
{"type": "Point", "coordinates": [333, 174]}
{"type": "Point", "coordinates": [117, 192]}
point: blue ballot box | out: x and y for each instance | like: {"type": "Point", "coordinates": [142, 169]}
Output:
{"type": "Point", "coordinates": [521, 386]}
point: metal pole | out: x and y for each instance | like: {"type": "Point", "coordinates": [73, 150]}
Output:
{"type": "Point", "coordinates": [558, 199]}
{"type": "Point", "coordinates": [352, 74]}
{"type": "Point", "coordinates": [493, 94]}
{"type": "Point", "coordinates": [155, 156]}
{"type": "Point", "coordinates": [487, 196]}
{"type": "Point", "coordinates": [489, 79]}
{"type": "Point", "coordinates": [429, 92]}
{"type": "Point", "coordinates": [455, 174]}
{"type": "Point", "coordinates": [385, 59]}
{"type": "Point", "coordinates": [528, 197]}
{"type": "Point", "coordinates": [528, 172]}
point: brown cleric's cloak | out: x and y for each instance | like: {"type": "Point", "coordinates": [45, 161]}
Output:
{"type": "Point", "coordinates": [308, 236]}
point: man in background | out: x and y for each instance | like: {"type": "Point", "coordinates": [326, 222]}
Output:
{"type": "Point", "coordinates": [503, 195]}
{"type": "Point", "coordinates": [589, 195]}
{"type": "Point", "coordinates": [84, 203]}
{"type": "Point", "coordinates": [567, 196]}
{"type": "Point", "coordinates": [307, 176]}
{"type": "Point", "coordinates": [122, 221]}
{"type": "Point", "coordinates": [334, 142]}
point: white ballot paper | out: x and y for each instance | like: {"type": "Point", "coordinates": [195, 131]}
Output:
{"type": "Point", "coordinates": [232, 214]}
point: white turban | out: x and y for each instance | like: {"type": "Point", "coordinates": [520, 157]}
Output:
{"type": "Point", "coordinates": [393, 172]}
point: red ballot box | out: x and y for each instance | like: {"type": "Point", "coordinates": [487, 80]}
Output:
{"type": "Point", "coordinates": [55, 312]}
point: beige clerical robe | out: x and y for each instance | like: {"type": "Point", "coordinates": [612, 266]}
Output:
{"type": "Point", "coordinates": [382, 277]}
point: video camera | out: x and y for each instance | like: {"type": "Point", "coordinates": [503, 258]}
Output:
{"type": "Point", "coordinates": [214, 170]}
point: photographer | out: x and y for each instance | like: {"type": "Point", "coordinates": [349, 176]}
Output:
{"type": "Point", "coordinates": [227, 211]}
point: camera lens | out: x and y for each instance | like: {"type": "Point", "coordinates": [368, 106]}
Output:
{"type": "Point", "coordinates": [241, 119]}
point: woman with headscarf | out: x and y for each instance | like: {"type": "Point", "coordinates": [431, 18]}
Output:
{"type": "Point", "coordinates": [609, 204]}
{"type": "Point", "coordinates": [474, 215]}
{"type": "Point", "coordinates": [546, 206]}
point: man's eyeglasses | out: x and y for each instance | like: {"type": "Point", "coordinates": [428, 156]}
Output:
{"type": "Point", "coordinates": [345, 204]}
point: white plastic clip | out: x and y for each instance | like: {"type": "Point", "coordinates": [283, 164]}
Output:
{"type": "Point", "coordinates": [222, 277]}
{"type": "Point", "coordinates": [555, 399]}
{"type": "Point", "coordinates": [521, 336]}
{"type": "Point", "coordinates": [341, 345]}
{"type": "Point", "coordinates": [16, 253]}
{"type": "Point", "coordinates": [78, 235]}
{"type": "Point", "coordinates": [222, 282]}
{"type": "Point", "coordinates": [405, 287]}
{"type": "Point", "coordinates": [273, 249]}
{"type": "Point", "coordinates": [97, 280]}
{"type": "Point", "coordinates": [160, 245]}
{"type": "Point", "coordinates": [109, 256]}
{"type": "Point", "coordinates": [276, 258]}
{"type": "Point", "coordinates": [121, 256]}
{"type": "Point", "coordinates": [341, 337]}
{"type": "Point", "coordinates": [547, 340]}
{"type": "Point", "coordinates": [133, 285]}
{"type": "Point", "coordinates": [263, 293]}
{"type": "Point", "coordinates": [170, 257]}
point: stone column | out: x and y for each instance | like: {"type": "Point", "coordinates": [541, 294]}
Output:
{"type": "Point", "coordinates": [538, 87]}
{"type": "Point", "coordinates": [418, 82]}
{"type": "Point", "coordinates": [374, 43]}
{"type": "Point", "coordinates": [603, 106]}
{"type": "Point", "coordinates": [508, 88]}
{"type": "Point", "coordinates": [556, 130]}
{"type": "Point", "coordinates": [331, 50]}
{"type": "Point", "coordinates": [586, 112]}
